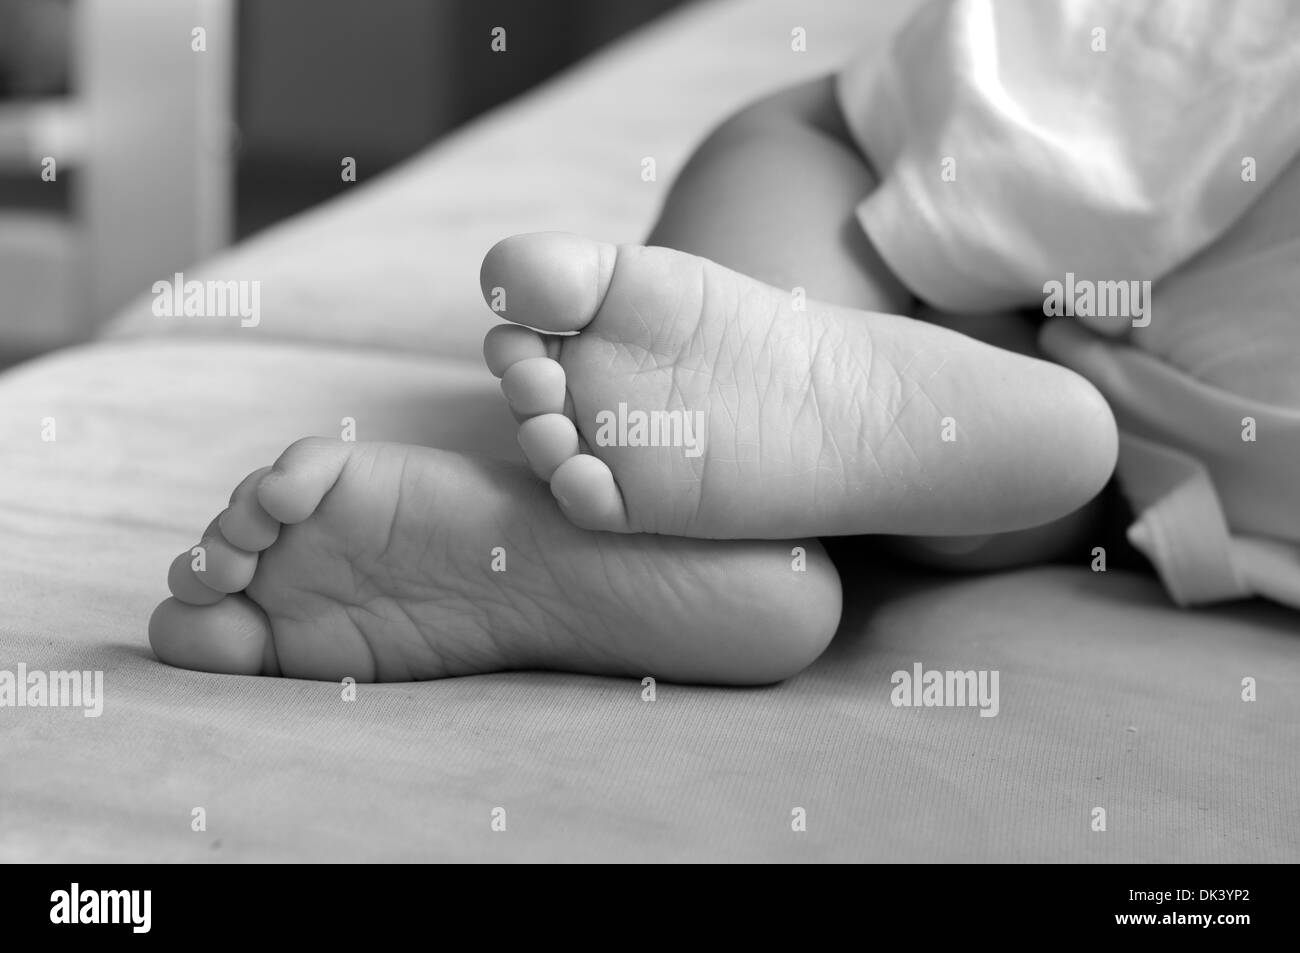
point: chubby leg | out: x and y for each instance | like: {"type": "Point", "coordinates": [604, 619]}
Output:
{"type": "Point", "coordinates": [771, 194]}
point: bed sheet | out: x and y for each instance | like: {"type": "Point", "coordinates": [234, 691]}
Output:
{"type": "Point", "coordinates": [1108, 696]}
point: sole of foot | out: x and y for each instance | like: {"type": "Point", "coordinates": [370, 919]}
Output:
{"type": "Point", "coordinates": [659, 392]}
{"type": "Point", "coordinates": [386, 562]}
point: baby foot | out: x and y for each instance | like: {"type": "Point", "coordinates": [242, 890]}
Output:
{"type": "Point", "coordinates": [387, 562]}
{"type": "Point", "coordinates": [695, 401]}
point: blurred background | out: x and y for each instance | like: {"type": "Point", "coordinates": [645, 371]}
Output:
{"type": "Point", "coordinates": [138, 136]}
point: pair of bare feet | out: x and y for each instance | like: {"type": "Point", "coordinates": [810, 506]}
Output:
{"type": "Point", "coordinates": [698, 430]}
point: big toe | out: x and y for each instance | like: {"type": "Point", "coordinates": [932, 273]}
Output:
{"type": "Point", "coordinates": [232, 637]}
{"type": "Point", "coordinates": [551, 281]}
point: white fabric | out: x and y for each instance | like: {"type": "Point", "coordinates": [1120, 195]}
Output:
{"type": "Point", "coordinates": [1109, 163]}
{"type": "Point", "coordinates": [1217, 497]}
{"type": "Point", "coordinates": [1022, 142]}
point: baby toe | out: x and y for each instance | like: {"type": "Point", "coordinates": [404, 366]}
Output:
{"type": "Point", "coordinates": [588, 495]}
{"type": "Point", "coordinates": [507, 344]}
{"type": "Point", "coordinates": [226, 568]}
{"type": "Point", "coordinates": [247, 526]}
{"type": "Point", "coordinates": [245, 523]}
{"type": "Point", "coordinates": [547, 441]}
{"type": "Point", "coordinates": [301, 477]}
{"type": "Point", "coordinates": [186, 586]}
{"type": "Point", "coordinates": [535, 386]}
